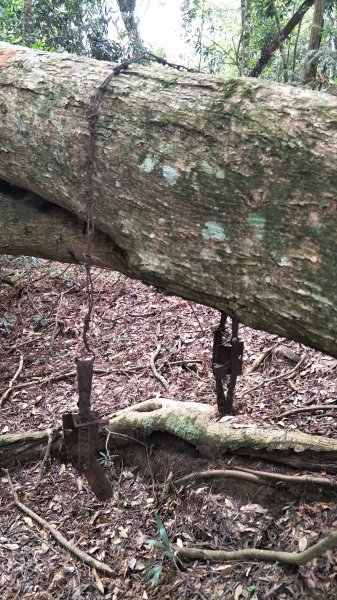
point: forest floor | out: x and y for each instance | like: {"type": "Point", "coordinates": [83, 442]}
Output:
{"type": "Point", "coordinates": [42, 306]}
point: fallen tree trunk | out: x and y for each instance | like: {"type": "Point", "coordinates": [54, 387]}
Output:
{"type": "Point", "coordinates": [197, 427]}
{"type": "Point", "coordinates": [222, 191]}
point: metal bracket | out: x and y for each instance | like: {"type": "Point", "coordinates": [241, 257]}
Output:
{"type": "Point", "coordinates": [80, 433]}
{"type": "Point", "coordinates": [226, 362]}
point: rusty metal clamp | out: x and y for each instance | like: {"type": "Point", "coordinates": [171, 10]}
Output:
{"type": "Point", "coordinates": [82, 430]}
{"type": "Point", "coordinates": [226, 362]}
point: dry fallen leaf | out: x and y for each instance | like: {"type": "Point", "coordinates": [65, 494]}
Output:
{"type": "Point", "coordinates": [98, 581]}
{"type": "Point", "coordinates": [302, 543]}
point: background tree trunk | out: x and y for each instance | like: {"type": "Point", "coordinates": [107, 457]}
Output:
{"type": "Point", "coordinates": [219, 190]}
{"type": "Point", "coordinates": [315, 40]}
{"type": "Point", "coordinates": [286, 31]}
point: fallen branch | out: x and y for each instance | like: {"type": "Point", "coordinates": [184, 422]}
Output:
{"type": "Point", "coordinates": [83, 556]}
{"type": "Point", "coordinates": [154, 370]}
{"type": "Point", "coordinates": [266, 381]}
{"type": "Point", "coordinates": [259, 477]}
{"type": "Point", "coordinates": [311, 408]}
{"type": "Point", "coordinates": [9, 390]}
{"type": "Point", "coordinates": [291, 558]}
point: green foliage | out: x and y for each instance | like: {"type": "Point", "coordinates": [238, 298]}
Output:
{"type": "Point", "coordinates": [6, 323]}
{"type": "Point", "coordinates": [153, 572]}
{"type": "Point", "coordinates": [106, 459]}
{"type": "Point", "coordinates": [214, 29]}
{"type": "Point", "coordinates": [40, 321]}
{"type": "Point", "coordinates": [76, 26]}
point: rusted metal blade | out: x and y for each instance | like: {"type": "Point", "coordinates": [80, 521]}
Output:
{"type": "Point", "coordinates": [92, 470]}
{"type": "Point", "coordinates": [97, 479]}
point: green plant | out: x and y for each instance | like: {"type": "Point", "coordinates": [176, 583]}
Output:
{"type": "Point", "coordinates": [106, 459]}
{"type": "Point", "coordinates": [40, 321]}
{"type": "Point", "coordinates": [153, 572]}
{"type": "Point", "coordinates": [6, 323]}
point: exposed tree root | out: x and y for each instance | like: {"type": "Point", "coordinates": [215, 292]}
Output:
{"type": "Point", "coordinates": [260, 477]}
{"type": "Point", "coordinates": [291, 558]}
{"type": "Point", "coordinates": [83, 556]}
{"type": "Point", "coordinates": [197, 425]}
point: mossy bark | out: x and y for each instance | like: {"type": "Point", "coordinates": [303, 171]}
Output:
{"type": "Point", "coordinates": [223, 191]}
{"type": "Point", "coordinates": [198, 428]}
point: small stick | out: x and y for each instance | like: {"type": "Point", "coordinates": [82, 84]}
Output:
{"type": "Point", "coordinates": [83, 556]}
{"type": "Point", "coordinates": [47, 454]}
{"type": "Point", "coordinates": [55, 330]}
{"type": "Point", "coordinates": [280, 376]}
{"type": "Point", "coordinates": [311, 408]}
{"type": "Point", "coordinates": [7, 393]}
{"type": "Point", "coordinates": [154, 370]}
{"type": "Point", "coordinates": [197, 318]}
{"type": "Point", "coordinates": [60, 376]}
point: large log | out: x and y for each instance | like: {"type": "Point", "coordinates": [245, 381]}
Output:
{"type": "Point", "coordinates": [223, 191]}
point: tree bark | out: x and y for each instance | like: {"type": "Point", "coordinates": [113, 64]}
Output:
{"type": "Point", "coordinates": [315, 40]}
{"type": "Point", "coordinates": [188, 426]}
{"type": "Point", "coordinates": [222, 191]}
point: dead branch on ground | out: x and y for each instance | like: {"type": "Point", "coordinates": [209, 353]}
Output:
{"type": "Point", "coordinates": [83, 556]}
{"type": "Point", "coordinates": [310, 408]}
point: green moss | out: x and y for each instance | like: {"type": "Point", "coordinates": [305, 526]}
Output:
{"type": "Point", "coordinates": [182, 427]}
{"type": "Point", "coordinates": [147, 424]}
{"type": "Point", "coordinates": [230, 87]}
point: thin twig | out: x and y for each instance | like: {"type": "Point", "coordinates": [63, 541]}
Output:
{"type": "Point", "coordinates": [266, 381]}
{"type": "Point", "coordinates": [253, 476]}
{"type": "Point", "coordinates": [197, 318]}
{"type": "Point", "coordinates": [50, 433]}
{"type": "Point", "coordinates": [9, 390]}
{"type": "Point", "coordinates": [83, 556]}
{"type": "Point", "coordinates": [60, 376]}
{"type": "Point", "coordinates": [56, 326]}
{"type": "Point", "coordinates": [311, 408]}
{"type": "Point", "coordinates": [292, 558]}
{"type": "Point", "coordinates": [259, 360]}
{"type": "Point", "coordinates": [157, 375]}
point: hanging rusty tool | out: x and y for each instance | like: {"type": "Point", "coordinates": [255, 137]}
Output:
{"type": "Point", "coordinates": [81, 433]}
{"type": "Point", "coordinates": [226, 364]}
